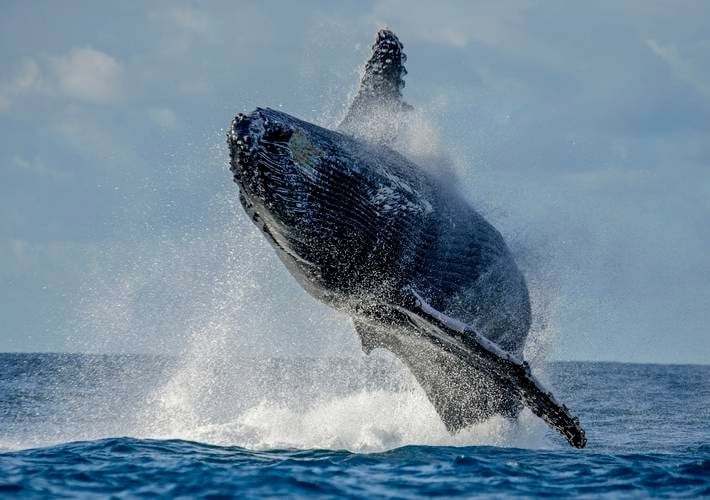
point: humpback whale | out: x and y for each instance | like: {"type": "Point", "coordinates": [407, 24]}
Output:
{"type": "Point", "coordinates": [367, 231]}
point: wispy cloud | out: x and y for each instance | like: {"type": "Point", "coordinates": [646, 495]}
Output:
{"type": "Point", "coordinates": [186, 26]}
{"type": "Point", "coordinates": [192, 20]}
{"type": "Point", "coordinates": [37, 166]}
{"type": "Point", "coordinates": [27, 80]}
{"type": "Point", "coordinates": [83, 74]}
{"type": "Point", "coordinates": [688, 63]}
{"type": "Point", "coordinates": [163, 117]}
{"type": "Point", "coordinates": [89, 75]}
{"type": "Point", "coordinates": [456, 23]}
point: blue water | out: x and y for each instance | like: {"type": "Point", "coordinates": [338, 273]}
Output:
{"type": "Point", "coordinates": [246, 434]}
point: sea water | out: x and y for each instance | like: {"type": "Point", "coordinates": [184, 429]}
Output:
{"type": "Point", "coordinates": [98, 425]}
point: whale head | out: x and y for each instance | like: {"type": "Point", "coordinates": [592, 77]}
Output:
{"type": "Point", "coordinates": [286, 173]}
{"type": "Point", "coordinates": [302, 186]}
{"type": "Point", "coordinates": [266, 167]}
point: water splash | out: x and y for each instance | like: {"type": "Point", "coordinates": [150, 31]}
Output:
{"type": "Point", "coordinates": [233, 312]}
{"type": "Point", "coordinates": [359, 404]}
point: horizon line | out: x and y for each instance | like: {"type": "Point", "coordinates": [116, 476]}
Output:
{"type": "Point", "coordinates": [168, 355]}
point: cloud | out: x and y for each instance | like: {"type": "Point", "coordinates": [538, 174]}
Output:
{"type": "Point", "coordinates": [89, 75]}
{"type": "Point", "coordinates": [688, 63]}
{"type": "Point", "coordinates": [37, 166]}
{"type": "Point", "coordinates": [84, 74]}
{"type": "Point", "coordinates": [186, 26]}
{"type": "Point", "coordinates": [27, 80]}
{"type": "Point", "coordinates": [455, 23]}
{"type": "Point", "coordinates": [192, 20]}
{"type": "Point", "coordinates": [163, 117]}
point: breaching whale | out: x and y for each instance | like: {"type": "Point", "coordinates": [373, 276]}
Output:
{"type": "Point", "coordinates": [367, 231]}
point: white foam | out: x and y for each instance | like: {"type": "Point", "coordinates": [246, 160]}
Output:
{"type": "Point", "coordinates": [365, 421]}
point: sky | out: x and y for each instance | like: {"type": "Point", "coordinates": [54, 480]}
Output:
{"type": "Point", "coordinates": [580, 129]}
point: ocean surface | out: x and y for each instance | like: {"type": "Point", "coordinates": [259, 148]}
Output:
{"type": "Point", "coordinates": [91, 425]}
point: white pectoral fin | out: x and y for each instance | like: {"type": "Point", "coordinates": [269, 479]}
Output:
{"type": "Point", "coordinates": [463, 341]}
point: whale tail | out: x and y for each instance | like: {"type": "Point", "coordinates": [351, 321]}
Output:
{"type": "Point", "coordinates": [375, 112]}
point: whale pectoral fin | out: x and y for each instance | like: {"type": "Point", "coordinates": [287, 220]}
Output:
{"type": "Point", "coordinates": [373, 112]}
{"type": "Point", "coordinates": [462, 341]}
{"type": "Point", "coordinates": [460, 393]}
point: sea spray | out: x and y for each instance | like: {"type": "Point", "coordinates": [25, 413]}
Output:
{"type": "Point", "coordinates": [216, 296]}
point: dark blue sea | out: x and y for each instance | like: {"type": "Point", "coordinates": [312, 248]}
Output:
{"type": "Point", "coordinates": [127, 426]}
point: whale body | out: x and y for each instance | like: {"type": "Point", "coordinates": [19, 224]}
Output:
{"type": "Point", "coordinates": [368, 232]}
